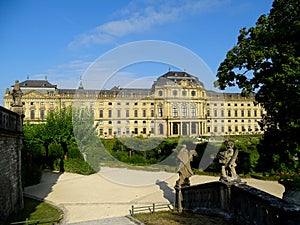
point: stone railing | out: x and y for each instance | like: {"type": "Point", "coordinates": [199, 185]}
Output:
{"type": "Point", "coordinates": [240, 203]}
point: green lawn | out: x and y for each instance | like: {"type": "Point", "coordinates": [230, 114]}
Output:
{"type": "Point", "coordinates": [175, 218]}
{"type": "Point", "coordinates": [37, 210]}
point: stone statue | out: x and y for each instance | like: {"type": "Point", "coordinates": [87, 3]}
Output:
{"type": "Point", "coordinates": [17, 95]}
{"type": "Point", "coordinates": [227, 160]}
{"type": "Point", "coordinates": [185, 171]}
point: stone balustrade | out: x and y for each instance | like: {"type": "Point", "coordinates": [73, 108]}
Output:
{"type": "Point", "coordinates": [240, 203]}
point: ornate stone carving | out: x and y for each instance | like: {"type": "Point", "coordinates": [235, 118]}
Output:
{"type": "Point", "coordinates": [227, 160]}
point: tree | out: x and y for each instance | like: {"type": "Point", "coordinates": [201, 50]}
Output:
{"type": "Point", "coordinates": [266, 60]}
{"type": "Point", "coordinates": [59, 128]}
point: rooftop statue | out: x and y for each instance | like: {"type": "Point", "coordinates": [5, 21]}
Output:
{"type": "Point", "coordinates": [17, 95]}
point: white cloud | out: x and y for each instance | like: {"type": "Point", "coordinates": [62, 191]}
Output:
{"type": "Point", "coordinates": [140, 16]}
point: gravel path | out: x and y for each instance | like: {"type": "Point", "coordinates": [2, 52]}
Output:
{"type": "Point", "coordinates": [112, 192]}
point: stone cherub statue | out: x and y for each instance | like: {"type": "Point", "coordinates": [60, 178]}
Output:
{"type": "Point", "coordinates": [227, 160]}
{"type": "Point", "coordinates": [17, 95]}
{"type": "Point", "coordinates": [185, 171]}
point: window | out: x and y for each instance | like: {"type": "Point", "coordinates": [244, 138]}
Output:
{"type": "Point", "coordinates": [193, 111]}
{"type": "Point", "coordinates": [127, 113]}
{"type": "Point", "coordinates": [42, 114]}
{"type": "Point", "coordinates": [92, 113]}
{"type": "Point", "coordinates": [242, 112]}
{"type": "Point", "coordinates": [101, 131]}
{"type": "Point", "coordinates": [135, 103]}
{"type": "Point", "coordinates": [160, 112]}
{"type": "Point", "coordinates": [136, 131]}
{"type": "Point", "coordinates": [193, 93]}
{"type": "Point", "coordinates": [144, 103]}
{"type": "Point", "coordinates": [236, 113]}
{"type": "Point", "coordinates": [101, 113]}
{"type": "Point", "coordinates": [118, 113]}
{"type": "Point", "coordinates": [127, 103]}
{"type": "Point", "coordinates": [222, 113]}
{"type": "Point", "coordinates": [208, 113]}
{"type": "Point", "coordinates": [183, 93]}
{"type": "Point", "coordinates": [236, 128]}
{"type": "Point", "coordinates": [160, 93]}
{"type": "Point", "coordinates": [119, 130]}
{"type": "Point", "coordinates": [160, 129]}
{"type": "Point", "coordinates": [32, 114]}
{"type": "Point", "coordinates": [184, 129]}
{"type": "Point", "coordinates": [215, 129]}
{"type": "Point", "coordinates": [144, 113]}
{"type": "Point", "coordinates": [175, 128]}
{"type": "Point", "coordinates": [208, 129]}
{"type": "Point", "coordinates": [109, 113]}
{"type": "Point", "coordinates": [51, 103]}
{"type": "Point", "coordinates": [194, 128]}
{"type": "Point", "coordinates": [255, 113]}
{"type": "Point", "coordinates": [183, 111]}
{"type": "Point", "coordinates": [174, 92]}
{"type": "Point", "coordinates": [144, 130]}
{"type": "Point", "coordinates": [222, 129]}
{"type": "Point", "coordinates": [175, 111]}
{"type": "Point", "coordinates": [228, 104]}
{"type": "Point", "coordinates": [144, 121]}
{"type": "Point", "coordinates": [215, 113]}
{"type": "Point", "coordinates": [152, 113]}
{"type": "Point", "coordinates": [42, 103]}
{"type": "Point", "coordinates": [110, 103]}
{"type": "Point", "coordinates": [135, 113]}
{"type": "Point", "coordinates": [229, 113]}
{"type": "Point", "coordinates": [118, 103]}
{"type": "Point", "coordinates": [109, 131]}
{"type": "Point", "coordinates": [127, 130]}
{"type": "Point", "coordinates": [249, 112]}
{"type": "Point", "coordinates": [31, 103]}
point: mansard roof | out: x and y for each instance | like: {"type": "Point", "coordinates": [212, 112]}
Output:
{"type": "Point", "coordinates": [172, 77]}
{"type": "Point", "coordinates": [37, 84]}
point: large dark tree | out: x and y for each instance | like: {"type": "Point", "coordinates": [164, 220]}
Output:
{"type": "Point", "coordinates": [266, 60]}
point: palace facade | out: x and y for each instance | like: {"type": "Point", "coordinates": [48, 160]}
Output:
{"type": "Point", "coordinates": [177, 104]}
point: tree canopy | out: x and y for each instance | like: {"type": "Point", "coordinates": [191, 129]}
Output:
{"type": "Point", "coordinates": [266, 60]}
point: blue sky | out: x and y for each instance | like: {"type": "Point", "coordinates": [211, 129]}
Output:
{"type": "Point", "coordinates": [61, 38]}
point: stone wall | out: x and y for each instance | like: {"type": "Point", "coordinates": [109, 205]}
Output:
{"type": "Point", "coordinates": [11, 136]}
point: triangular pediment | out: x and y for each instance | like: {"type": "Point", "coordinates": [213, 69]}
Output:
{"type": "Point", "coordinates": [33, 94]}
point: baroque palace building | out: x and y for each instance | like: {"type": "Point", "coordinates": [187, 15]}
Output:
{"type": "Point", "coordinates": [177, 104]}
